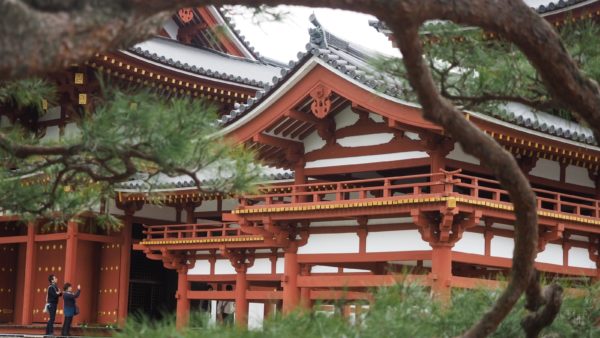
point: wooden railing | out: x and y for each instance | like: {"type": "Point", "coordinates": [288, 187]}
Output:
{"type": "Point", "coordinates": [183, 231]}
{"type": "Point", "coordinates": [435, 184]}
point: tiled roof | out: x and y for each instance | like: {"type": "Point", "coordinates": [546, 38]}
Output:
{"type": "Point", "coordinates": [206, 62]}
{"type": "Point", "coordinates": [560, 5]}
{"type": "Point", "coordinates": [353, 61]}
{"type": "Point", "coordinates": [163, 182]}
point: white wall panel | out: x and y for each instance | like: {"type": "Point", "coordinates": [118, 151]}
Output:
{"type": "Point", "coordinates": [546, 169]}
{"type": "Point", "coordinates": [224, 267]}
{"type": "Point", "coordinates": [397, 240]}
{"type": "Point", "coordinates": [365, 140]}
{"type": "Point", "coordinates": [202, 267]}
{"type": "Point", "coordinates": [256, 312]}
{"type": "Point", "coordinates": [471, 242]}
{"type": "Point", "coordinates": [261, 265]}
{"type": "Point", "coordinates": [345, 118]}
{"type": "Point", "coordinates": [157, 212]}
{"type": "Point", "coordinates": [502, 247]}
{"type": "Point", "coordinates": [459, 154]}
{"type": "Point", "coordinates": [313, 142]}
{"type": "Point", "coordinates": [580, 257]}
{"type": "Point", "coordinates": [579, 176]}
{"type": "Point", "coordinates": [553, 254]}
{"type": "Point", "coordinates": [330, 243]}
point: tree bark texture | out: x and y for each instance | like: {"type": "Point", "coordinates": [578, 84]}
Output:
{"type": "Point", "coordinates": [37, 37]}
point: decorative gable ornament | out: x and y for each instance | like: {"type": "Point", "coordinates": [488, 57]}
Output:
{"type": "Point", "coordinates": [186, 14]}
{"type": "Point", "coordinates": [321, 101]}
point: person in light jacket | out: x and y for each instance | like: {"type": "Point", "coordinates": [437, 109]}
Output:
{"type": "Point", "coordinates": [70, 307]}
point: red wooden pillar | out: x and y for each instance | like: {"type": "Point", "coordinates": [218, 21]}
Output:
{"type": "Point", "coordinates": [241, 302]}
{"type": "Point", "coordinates": [124, 267]}
{"type": "Point", "coordinates": [183, 303]}
{"type": "Point", "coordinates": [441, 270]}
{"type": "Point", "coordinates": [71, 252]}
{"type": "Point", "coordinates": [305, 300]}
{"type": "Point", "coordinates": [26, 316]}
{"type": "Point", "coordinates": [300, 178]}
{"type": "Point", "coordinates": [291, 294]}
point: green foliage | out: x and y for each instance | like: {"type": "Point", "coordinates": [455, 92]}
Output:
{"type": "Point", "coordinates": [27, 93]}
{"type": "Point", "coordinates": [130, 135]}
{"type": "Point", "coordinates": [399, 311]}
{"type": "Point", "coordinates": [482, 73]}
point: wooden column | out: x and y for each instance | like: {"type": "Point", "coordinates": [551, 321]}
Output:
{"type": "Point", "coordinates": [441, 270]}
{"type": "Point", "coordinates": [241, 302]}
{"type": "Point", "coordinates": [183, 303]}
{"type": "Point", "coordinates": [26, 316]}
{"type": "Point", "coordinates": [291, 293]}
{"type": "Point", "coordinates": [71, 252]}
{"type": "Point", "coordinates": [300, 178]}
{"type": "Point", "coordinates": [124, 267]}
{"type": "Point", "coordinates": [305, 300]}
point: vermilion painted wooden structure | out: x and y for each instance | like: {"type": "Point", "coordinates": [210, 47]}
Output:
{"type": "Point", "coordinates": [377, 196]}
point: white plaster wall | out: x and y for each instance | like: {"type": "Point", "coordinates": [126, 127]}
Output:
{"type": "Point", "coordinates": [345, 222]}
{"type": "Point", "coordinates": [397, 240]}
{"type": "Point", "coordinates": [330, 243]}
{"type": "Point", "coordinates": [52, 134]}
{"type": "Point", "coordinates": [459, 154]}
{"type": "Point", "coordinates": [210, 205]}
{"type": "Point", "coordinates": [580, 258]}
{"type": "Point", "coordinates": [256, 312]}
{"type": "Point", "coordinates": [412, 136]}
{"type": "Point", "coordinates": [345, 118]}
{"type": "Point", "coordinates": [323, 269]}
{"type": "Point", "coordinates": [471, 242]}
{"type": "Point", "coordinates": [365, 140]}
{"type": "Point", "coordinates": [546, 169]}
{"type": "Point", "coordinates": [552, 254]}
{"type": "Point", "coordinates": [334, 162]}
{"type": "Point", "coordinates": [502, 247]}
{"type": "Point", "coordinates": [346, 270]}
{"type": "Point", "coordinates": [223, 267]}
{"type": "Point", "coordinates": [53, 113]}
{"type": "Point", "coordinates": [261, 266]}
{"type": "Point", "coordinates": [5, 121]}
{"type": "Point", "coordinates": [392, 220]}
{"type": "Point", "coordinates": [279, 266]}
{"type": "Point", "coordinates": [579, 176]}
{"type": "Point", "coordinates": [72, 131]}
{"type": "Point", "coordinates": [376, 118]}
{"type": "Point", "coordinates": [157, 212]}
{"type": "Point", "coordinates": [201, 267]}
{"type": "Point", "coordinates": [313, 142]}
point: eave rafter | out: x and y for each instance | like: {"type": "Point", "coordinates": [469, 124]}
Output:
{"type": "Point", "coordinates": [125, 68]}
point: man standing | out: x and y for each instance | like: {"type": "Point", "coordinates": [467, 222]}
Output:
{"type": "Point", "coordinates": [52, 303]}
{"type": "Point", "coordinates": [226, 309]}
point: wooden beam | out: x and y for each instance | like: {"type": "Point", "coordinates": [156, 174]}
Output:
{"type": "Point", "coordinates": [278, 142]}
{"type": "Point", "coordinates": [364, 257]}
{"type": "Point", "coordinates": [13, 239]}
{"type": "Point", "coordinates": [99, 238]}
{"type": "Point", "coordinates": [341, 281]}
{"type": "Point", "coordinates": [300, 116]}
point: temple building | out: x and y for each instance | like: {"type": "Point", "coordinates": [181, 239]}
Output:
{"type": "Point", "coordinates": [360, 190]}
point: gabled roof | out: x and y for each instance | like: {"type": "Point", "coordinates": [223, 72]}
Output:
{"type": "Point", "coordinates": [206, 62]}
{"type": "Point", "coordinates": [353, 61]}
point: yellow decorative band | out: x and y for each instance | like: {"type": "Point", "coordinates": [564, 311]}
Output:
{"type": "Point", "coordinates": [204, 240]}
{"type": "Point", "coordinates": [450, 200]}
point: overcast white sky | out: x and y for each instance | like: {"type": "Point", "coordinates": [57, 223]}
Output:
{"type": "Point", "coordinates": [282, 40]}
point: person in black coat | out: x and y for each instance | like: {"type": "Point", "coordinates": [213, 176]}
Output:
{"type": "Point", "coordinates": [52, 295]}
{"type": "Point", "coordinates": [70, 308]}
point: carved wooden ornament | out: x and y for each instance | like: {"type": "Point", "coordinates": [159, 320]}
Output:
{"type": "Point", "coordinates": [186, 14]}
{"type": "Point", "coordinates": [321, 101]}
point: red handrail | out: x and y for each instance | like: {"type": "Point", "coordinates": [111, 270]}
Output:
{"type": "Point", "coordinates": [432, 184]}
{"type": "Point", "coordinates": [175, 231]}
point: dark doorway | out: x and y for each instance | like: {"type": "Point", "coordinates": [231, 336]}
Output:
{"type": "Point", "coordinates": [152, 287]}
